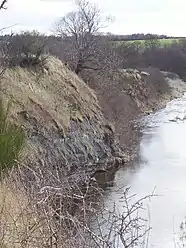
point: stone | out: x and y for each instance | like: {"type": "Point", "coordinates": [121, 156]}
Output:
{"type": "Point", "coordinates": [144, 73]}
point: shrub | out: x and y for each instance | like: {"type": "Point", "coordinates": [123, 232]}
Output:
{"type": "Point", "coordinates": [26, 50]}
{"type": "Point", "coordinates": [12, 139]}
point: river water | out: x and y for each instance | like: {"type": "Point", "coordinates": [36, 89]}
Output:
{"type": "Point", "coordinates": [162, 169]}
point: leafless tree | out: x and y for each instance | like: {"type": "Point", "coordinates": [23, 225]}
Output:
{"type": "Point", "coordinates": [80, 31]}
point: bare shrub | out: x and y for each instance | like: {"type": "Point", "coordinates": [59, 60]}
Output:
{"type": "Point", "coordinates": [124, 227]}
{"type": "Point", "coordinates": [75, 215]}
{"type": "Point", "coordinates": [20, 225]}
{"type": "Point", "coordinates": [26, 50]}
{"type": "Point", "coordinates": [129, 54]}
{"type": "Point", "coordinates": [171, 59]}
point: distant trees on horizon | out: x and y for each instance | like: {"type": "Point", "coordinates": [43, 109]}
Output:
{"type": "Point", "coordinates": [140, 36]}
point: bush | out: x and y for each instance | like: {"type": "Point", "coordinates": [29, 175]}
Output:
{"type": "Point", "coordinates": [26, 50]}
{"type": "Point", "coordinates": [170, 58]}
{"type": "Point", "coordinates": [12, 139]}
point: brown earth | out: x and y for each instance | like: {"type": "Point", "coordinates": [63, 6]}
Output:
{"type": "Point", "coordinates": [127, 96]}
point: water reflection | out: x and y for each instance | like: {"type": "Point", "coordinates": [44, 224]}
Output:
{"type": "Point", "coordinates": [162, 165]}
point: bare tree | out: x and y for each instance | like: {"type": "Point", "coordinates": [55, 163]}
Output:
{"type": "Point", "coordinates": [79, 31]}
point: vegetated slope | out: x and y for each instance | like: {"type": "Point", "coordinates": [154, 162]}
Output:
{"type": "Point", "coordinates": [127, 95]}
{"type": "Point", "coordinates": [62, 117]}
{"type": "Point", "coordinates": [67, 134]}
{"type": "Point", "coordinates": [68, 139]}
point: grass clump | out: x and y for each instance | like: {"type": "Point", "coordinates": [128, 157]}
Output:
{"type": "Point", "coordinates": [12, 139]}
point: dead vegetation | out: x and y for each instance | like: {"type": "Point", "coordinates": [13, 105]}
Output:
{"type": "Point", "coordinates": [46, 219]}
{"type": "Point", "coordinates": [26, 50]}
{"type": "Point", "coordinates": [127, 94]}
{"type": "Point", "coordinates": [48, 201]}
{"type": "Point", "coordinates": [55, 96]}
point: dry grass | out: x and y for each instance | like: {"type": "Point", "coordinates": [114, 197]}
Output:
{"type": "Point", "coordinates": [44, 103]}
{"type": "Point", "coordinates": [19, 223]}
{"type": "Point", "coordinates": [25, 224]}
{"type": "Point", "coordinates": [53, 96]}
{"type": "Point", "coordinates": [56, 214]}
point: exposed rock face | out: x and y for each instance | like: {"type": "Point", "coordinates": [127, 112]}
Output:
{"type": "Point", "coordinates": [85, 147]}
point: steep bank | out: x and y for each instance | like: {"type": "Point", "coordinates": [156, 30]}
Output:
{"type": "Point", "coordinates": [68, 138]}
{"type": "Point", "coordinates": [69, 128]}
{"type": "Point", "coordinates": [126, 96]}
{"type": "Point", "coordinates": [65, 125]}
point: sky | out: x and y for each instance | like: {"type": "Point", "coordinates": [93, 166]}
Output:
{"type": "Point", "coordinates": [130, 16]}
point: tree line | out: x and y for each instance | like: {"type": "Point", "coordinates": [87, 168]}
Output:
{"type": "Point", "coordinates": [140, 36]}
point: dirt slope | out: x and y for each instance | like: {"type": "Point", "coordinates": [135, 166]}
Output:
{"type": "Point", "coordinates": [127, 95]}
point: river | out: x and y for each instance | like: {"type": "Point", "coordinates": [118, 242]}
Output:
{"type": "Point", "coordinates": [162, 168]}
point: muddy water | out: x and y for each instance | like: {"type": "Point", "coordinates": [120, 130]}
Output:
{"type": "Point", "coordinates": [162, 166]}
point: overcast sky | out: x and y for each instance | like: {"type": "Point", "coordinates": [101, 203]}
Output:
{"type": "Point", "coordinates": [131, 16]}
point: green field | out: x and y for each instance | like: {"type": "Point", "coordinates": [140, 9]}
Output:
{"type": "Point", "coordinates": [163, 42]}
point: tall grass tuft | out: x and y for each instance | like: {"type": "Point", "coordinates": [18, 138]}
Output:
{"type": "Point", "coordinates": [12, 139]}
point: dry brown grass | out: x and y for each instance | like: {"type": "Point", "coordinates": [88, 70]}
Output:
{"type": "Point", "coordinates": [44, 103]}
{"type": "Point", "coordinates": [19, 223]}
{"type": "Point", "coordinates": [25, 224]}
{"type": "Point", "coordinates": [57, 213]}
{"type": "Point", "coordinates": [54, 96]}
{"type": "Point", "coordinates": [29, 222]}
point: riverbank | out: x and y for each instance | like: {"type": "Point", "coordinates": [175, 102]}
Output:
{"type": "Point", "coordinates": [129, 96]}
{"type": "Point", "coordinates": [160, 169]}
{"type": "Point", "coordinates": [83, 128]}
{"type": "Point", "coordinates": [77, 132]}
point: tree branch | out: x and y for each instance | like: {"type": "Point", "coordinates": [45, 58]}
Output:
{"type": "Point", "coordinates": [3, 4]}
